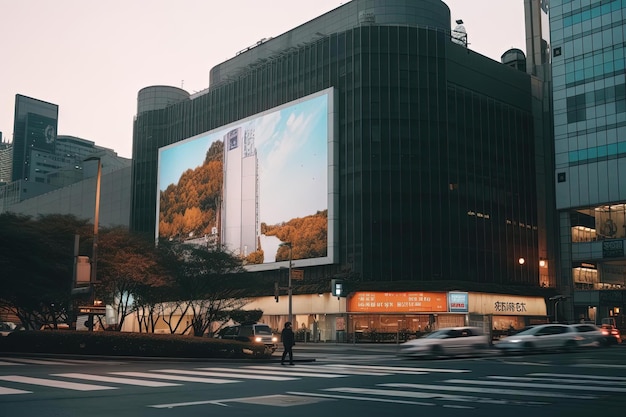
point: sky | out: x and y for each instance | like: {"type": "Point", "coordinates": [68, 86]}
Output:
{"type": "Point", "coordinates": [91, 57]}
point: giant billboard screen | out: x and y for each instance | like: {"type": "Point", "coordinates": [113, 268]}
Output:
{"type": "Point", "coordinates": [256, 184]}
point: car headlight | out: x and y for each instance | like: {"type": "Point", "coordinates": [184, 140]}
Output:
{"type": "Point", "coordinates": [258, 339]}
{"type": "Point", "coordinates": [274, 339]}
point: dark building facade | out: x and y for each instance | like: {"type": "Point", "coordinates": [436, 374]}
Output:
{"type": "Point", "coordinates": [34, 128]}
{"type": "Point", "coordinates": [436, 169]}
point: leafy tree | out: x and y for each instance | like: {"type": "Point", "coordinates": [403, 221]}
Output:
{"type": "Point", "coordinates": [202, 287]}
{"type": "Point", "coordinates": [129, 272]}
{"type": "Point", "coordinates": [37, 261]}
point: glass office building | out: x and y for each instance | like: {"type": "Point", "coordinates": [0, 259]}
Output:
{"type": "Point", "coordinates": [588, 44]}
{"type": "Point", "coordinates": [436, 172]}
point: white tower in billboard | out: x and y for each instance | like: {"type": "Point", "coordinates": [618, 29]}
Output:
{"type": "Point", "coordinates": [240, 204]}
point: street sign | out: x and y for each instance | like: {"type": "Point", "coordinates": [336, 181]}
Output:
{"type": "Point", "coordinates": [101, 310]}
{"type": "Point", "coordinates": [297, 274]}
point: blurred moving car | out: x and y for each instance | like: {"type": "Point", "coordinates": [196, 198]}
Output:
{"type": "Point", "coordinates": [446, 342]}
{"type": "Point", "coordinates": [251, 332]}
{"type": "Point", "coordinates": [612, 334]}
{"type": "Point", "coordinates": [590, 335]}
{"type": "Point", "coordinates": [540, 337]}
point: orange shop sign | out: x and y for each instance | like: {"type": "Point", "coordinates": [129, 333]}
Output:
{"type": "Point", "coordinates": [392, 302]}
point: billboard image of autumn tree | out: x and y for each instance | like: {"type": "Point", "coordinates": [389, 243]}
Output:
{"type": "Point", "coordinates": [252, 185]}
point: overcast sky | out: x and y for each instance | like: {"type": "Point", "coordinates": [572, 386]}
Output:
{"type": "Point", "coordinates": [92, 57]}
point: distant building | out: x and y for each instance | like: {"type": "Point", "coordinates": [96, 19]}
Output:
{"type": "Point", "coordinates": [34, 130]}
{"type": "Point", "coordinates": [6, 161]}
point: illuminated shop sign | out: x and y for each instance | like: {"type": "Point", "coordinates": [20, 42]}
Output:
{"type": "Point", "coordinates": [408, 302]}
{"type": "Point", "coordinates": [458, 302]}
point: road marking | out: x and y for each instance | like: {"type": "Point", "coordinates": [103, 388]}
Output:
{"type": "Point", "coordinates": [560, 380]}
{"type": "Point", "coordinates": [7, 391]}
{"type": "Point", "coordinates": [291, 371]}
{"type": "Point", "coordinates": [488, 390]}
{"type": "Point", "coordinates": [176, 377]}
{"type": "Point", "coordinates": [327, 370]}
{"type": "Point", "coordinates": [349, 397]}
{"type": "Point", "coordinates": [224, 375]}
{"type": "Point", "coordinates": [399, 369]}
{"type": "Point", "coordinates": [598, 365]}
{"type": "Point", "coordinates": [22, 361]}
{"type": "Point", "coordinates": [115, 380]}
{"type": "Point", "coordinates": [529, 385]}
{"type": "Point", "coordinates": [598, 377]}
{"type": "Point", "coordinates": [53, 383]}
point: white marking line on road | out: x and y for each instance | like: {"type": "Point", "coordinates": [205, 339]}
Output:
{"type": "Point", "coordinates": [291, 371]}
{"type": "Point", "coordinates": [213, 402]}
{"type": "Point", "coordinates": [559, 380]}
{"type": "Point", "coordinates": [226, 375]}
{"type": "Point", "coordinates": [343, 372]}
{"type": "Point", "coordinates": [432, 395]}
{"type": "Point", "coordinates": [23, 361]}
{"type": "Point", "coordinates": [349, 397]}
{"type": "Point", "coordinates": [500, 391]}
{"type": "Point", "coordinates": [53, 383]}
{"type": "Point", "coordinates": [399, 369]}
{"type": "Point", "coordinates": [598, 365]}
{"type": "Point", "coordinates": [598, 377]}
{"type": "Point", "coordinates": [2, 363]}
{"type": "Point", "coordinates": [115, 380]}
{"type": "Point", "coordinates": [527, 385]}
{"type": "Point", "coordinates": [8, 391]}
{"type": "Point", "coordinates": [176, 377]}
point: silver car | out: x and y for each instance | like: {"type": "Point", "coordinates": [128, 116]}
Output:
{"type": "Point", "coordinates": [446, 342]}
{"type": "Point", "coordinates": [590, 335]}
{"type": "Point", "coordinates": [539, 338]}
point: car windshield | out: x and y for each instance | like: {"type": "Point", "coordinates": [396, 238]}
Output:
{"type": "Point", "coordinates": [439, 334]}
{"type": "Point", "coordinates": [527, 330]}
{"type": "Point", "coordinates": [263, 330]}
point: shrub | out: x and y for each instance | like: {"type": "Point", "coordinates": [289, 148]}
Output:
{"type": "Point", "coordinates": [127, 344]}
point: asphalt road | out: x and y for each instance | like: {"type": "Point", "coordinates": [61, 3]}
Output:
{"type": "Point", "coordinates": [327, 380]}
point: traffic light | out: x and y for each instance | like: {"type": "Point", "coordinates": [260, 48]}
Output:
{"type": "Point", "coordinates": [336, 287]}
{"type": "Point", "coordinates": [276, 291]}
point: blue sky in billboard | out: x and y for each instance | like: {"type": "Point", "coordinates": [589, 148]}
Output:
{"type": "Point", "coordinates": [291, 143]}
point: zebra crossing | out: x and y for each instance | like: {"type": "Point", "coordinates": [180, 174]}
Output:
{"type": "Point", "coordinates": [453, 387]}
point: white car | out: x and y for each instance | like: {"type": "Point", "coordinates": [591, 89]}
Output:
{"type": "Point", "coordinates": [541, 337]}
{"type": "Point", "coordinates": [446, 342]}
{"type": "Point", "coordinates": [590, 335]}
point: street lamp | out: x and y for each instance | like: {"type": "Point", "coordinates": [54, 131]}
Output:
{"type": "Point", "coordinates": [289, 289]}
{"type": "Point", "coordinates": [96, 217]}
{"type": "Point", "coordinates": [557, 299]}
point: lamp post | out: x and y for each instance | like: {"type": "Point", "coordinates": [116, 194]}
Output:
{"type": "Point", "coordinates": [289, 289]}
{"type": "Point", "coordinates": [96, 217]}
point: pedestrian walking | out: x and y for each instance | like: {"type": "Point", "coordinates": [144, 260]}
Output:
{"type": "Point", "coordinates": [288, 343]}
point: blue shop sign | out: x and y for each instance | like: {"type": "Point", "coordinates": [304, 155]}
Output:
{"type": "Point", "coordinates": [458, 302]}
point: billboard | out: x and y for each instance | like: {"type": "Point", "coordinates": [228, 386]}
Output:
{"type": "Point", "coordinates": [256, 184]}
{"type": "Point", "coordinates": [41, 132]}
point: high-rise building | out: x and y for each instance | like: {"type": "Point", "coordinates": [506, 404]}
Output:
{"type": "Point", "coordinates": [34, 130]}
{"type": "Point", "coordinates": [432, 178]}
{"type": "Point", "coordinates": [6, 162]}
{"type": "Point", "coordinates": [588, 65]}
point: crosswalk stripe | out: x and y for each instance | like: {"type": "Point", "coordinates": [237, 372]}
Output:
{"type": "Point", "coordinates": [176, 377]}
{"type": "Point", "coordinates": [530, 385]}
{"type": "Point", "coordinates": [559, 380]}
{"type": "Point", "coordinates": [7, 391]}
{"type": "Point", "coordinates": [226, 375]}
{"type": "Point", "coordinates": [115, 380]}
{"type": "Point", "coordinates": [326, 369]}
{"type": "Point", "coordinates": [53, 383]}
{"type": "Point", "coordinates": [291, 371]}
{"type": "Point", "coordinates": [502, 391]}
{"type": "Point", "coordinates": [597, 377]}
{"type": "Point", "coordinates": [2, 363]}
{"type": "Point", "coordinates": [399, 369]}
{"type": "Point", "coordinates": [21, 361]}
{"type": "Point", "coordinates": [599, 365]}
